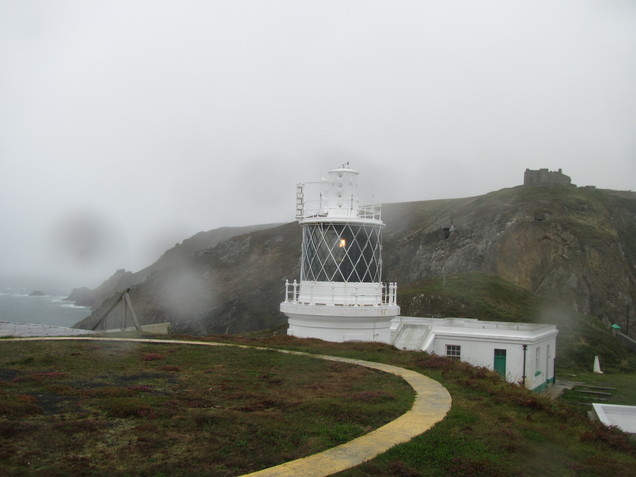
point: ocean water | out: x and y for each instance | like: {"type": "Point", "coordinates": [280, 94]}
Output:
{"type": "Point", "coordinates": [17, 306]}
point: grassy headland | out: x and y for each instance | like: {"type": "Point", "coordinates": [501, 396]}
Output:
{"type": "Point", "coordinates": [131, 409]}
{"type": "Point", "coordinates": [86, 408]}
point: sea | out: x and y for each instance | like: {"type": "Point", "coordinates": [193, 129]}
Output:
{"type": "Point", "coordinates": [19, 305]}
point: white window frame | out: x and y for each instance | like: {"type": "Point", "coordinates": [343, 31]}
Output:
{"type": "Point", "coordinates": [454, 351]}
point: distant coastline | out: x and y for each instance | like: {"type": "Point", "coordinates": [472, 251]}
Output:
{"type": "Point", "coordinates": [23, 305]}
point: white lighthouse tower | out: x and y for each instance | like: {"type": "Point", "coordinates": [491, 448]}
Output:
{"type": "Point", "coordinates": [340, 296]}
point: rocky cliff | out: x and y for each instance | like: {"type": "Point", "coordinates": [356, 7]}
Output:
{"type": "Point", "coordinates": [577, 245]}
{"type": "Point", "coordinates": [161, 289]}
{"type": "Point", "coordinates": [574, 244]}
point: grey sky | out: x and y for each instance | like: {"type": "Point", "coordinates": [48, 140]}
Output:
{"type": "Point", "coordinates": [139, 123]}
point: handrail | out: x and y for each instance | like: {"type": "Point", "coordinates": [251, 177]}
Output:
{"type": "Point", "coordinates": [389, 294]}
{"type": "Point", "coordinates": [318, 208]}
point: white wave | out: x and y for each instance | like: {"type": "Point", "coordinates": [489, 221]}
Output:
{"type": "Point", "coordinates": [15, 291]}
{"type": "Point", "coordinates": [71, 305]}
{"type": "Point", "coordinates": [62, 302]}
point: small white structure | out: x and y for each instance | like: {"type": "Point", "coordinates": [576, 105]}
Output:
{"type": "Point", "coordinates": [521, 352]}
{"type": "Point", "coordinates": [340, 296]}
{"type": "Point", "coordinates": [623, 417]}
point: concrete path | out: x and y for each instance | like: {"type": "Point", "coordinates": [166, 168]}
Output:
{"type": "Point", "coordinates": [432, 403]}
{"type": "Point", "coordinates": [32, 330]}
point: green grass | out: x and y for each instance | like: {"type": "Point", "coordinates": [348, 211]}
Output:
{"type": "Point", "coordinates": [623, 386]}
{"type": "Point", "coordinates": [473, 295]}
{"type": "Point", "coordinates": [138, 409]}
{"type": "Point", "coordinates": [493, 429]}
{"type": "Point", "coordinates": [171, 410]}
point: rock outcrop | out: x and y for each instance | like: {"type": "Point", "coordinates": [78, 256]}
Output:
{"type": "Point", "coordinates": [577, 245]}
{"type": "Point", "coordinates": [175, 288]}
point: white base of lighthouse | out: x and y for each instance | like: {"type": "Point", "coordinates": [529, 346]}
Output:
{"type": "Point", "coordinates": [341, 323]}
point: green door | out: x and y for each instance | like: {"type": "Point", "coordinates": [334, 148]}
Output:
{"type": "Point", "coordinates": [500, 361]}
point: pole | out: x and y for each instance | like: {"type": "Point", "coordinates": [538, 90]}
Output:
{"type": "Point", "coordinates": [102, 320]}
{"type": "Point", "coordinates": [123, 314]}
{"type": "Point", "coordinates": [128, 301]}
{"type": "Point", "coordinates": [523, 378]}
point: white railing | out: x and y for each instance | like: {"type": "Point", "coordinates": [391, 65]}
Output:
{"type": "Point", "coordinates": [314, 203]}
{"type": "Point", "coordinates": [319, 208]}
{"type": "Point", "coordinates": [389, 294]}
{"type": "Point", "coordinates": [371, 211]}
{"type": "Point", "coordinates": [294, 292]}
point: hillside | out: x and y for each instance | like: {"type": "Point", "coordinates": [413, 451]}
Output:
{"type": "Point", "coordinates": [573, 245]}
{"type": "Point", "coordinates": [581, 336]}
{"type": "Point", "coordinates": [577, 245]}
{"type": "Point", "coordinates": [172, 258]}
{"type": "Point", "coordinates": [232, 286]}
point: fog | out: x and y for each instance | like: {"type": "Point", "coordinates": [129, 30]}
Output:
{"type": "Point", "coordinates": [127, 126]}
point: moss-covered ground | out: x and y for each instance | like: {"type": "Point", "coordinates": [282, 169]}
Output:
{"type": "Point", "coordinates": [86, 408]}
{"type": "Point", "coordinates": [493, 429]}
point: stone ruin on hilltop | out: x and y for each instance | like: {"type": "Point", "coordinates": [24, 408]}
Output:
{"type": "Point", "coordinates": [544, 177]}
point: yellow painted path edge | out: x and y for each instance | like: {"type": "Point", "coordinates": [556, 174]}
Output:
{"type": "Point", "coordinates": [432, 403]}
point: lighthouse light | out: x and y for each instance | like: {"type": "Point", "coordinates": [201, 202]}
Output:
{"type": "Point", "coordinates": [343, 243]}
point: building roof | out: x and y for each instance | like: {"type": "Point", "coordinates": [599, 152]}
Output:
{"type": "Point", "coordinates": [472, 328]}
{"type": "Point", "coordinates": [624, 417]}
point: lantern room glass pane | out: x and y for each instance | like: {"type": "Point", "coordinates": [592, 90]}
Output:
{"type": "Point", "coordinates": [341, 253]}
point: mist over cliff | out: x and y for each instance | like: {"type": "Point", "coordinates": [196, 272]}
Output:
{"type": "Point", "coordinates": [573, 245]}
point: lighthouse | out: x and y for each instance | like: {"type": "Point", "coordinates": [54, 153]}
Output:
{"type": "Point", "coordinates": [340, 295]}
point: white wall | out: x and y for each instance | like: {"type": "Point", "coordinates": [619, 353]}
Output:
{"type": "Point", "coordinates": [542, 371]}
{"type": "Point", "coordinates": [480, 352]}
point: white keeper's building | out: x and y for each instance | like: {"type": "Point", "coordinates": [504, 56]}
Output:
{"type": "Point", "coordinates": [341, 296]}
